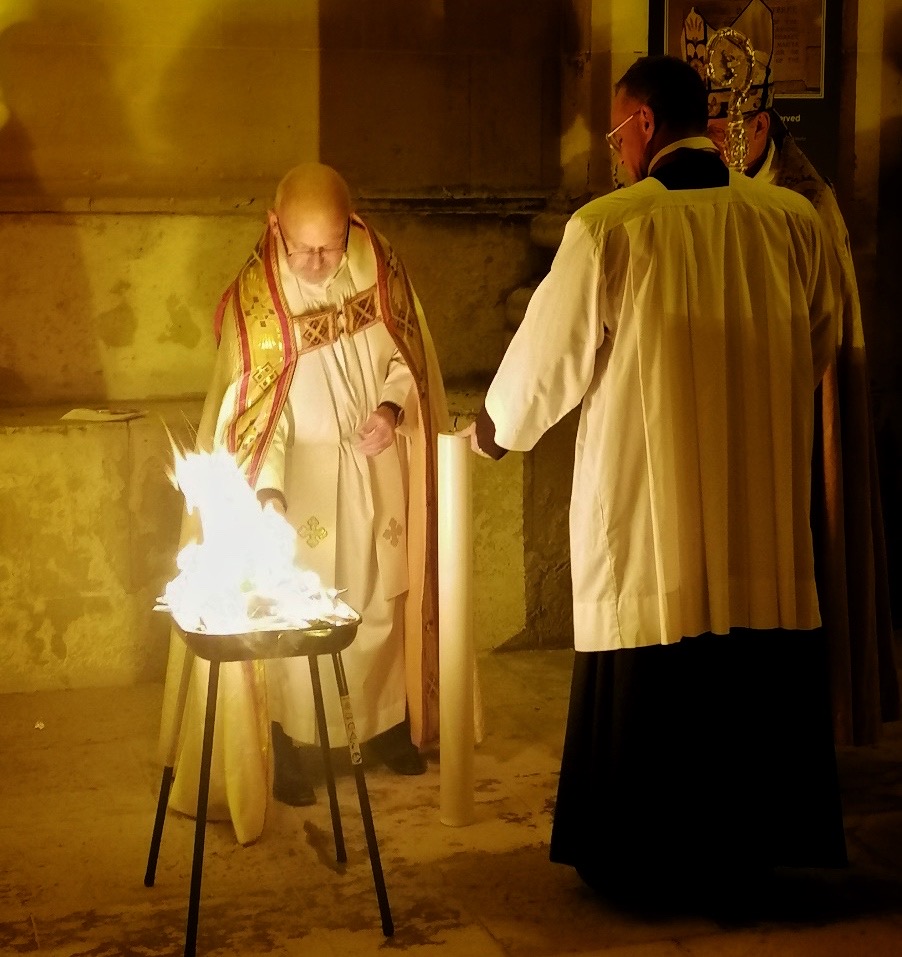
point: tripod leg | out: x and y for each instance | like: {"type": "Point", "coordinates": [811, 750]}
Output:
{"type": "Point", "coordinates": [203, 792]}
{"type": "Point", "coordinates": [168, 769]}
{"type": "Point", "coordinates": [165, 786]}
{"type": "Point", "coordinates": [340, 853]}
{"type": "Point", "coordinates": [388, 927]}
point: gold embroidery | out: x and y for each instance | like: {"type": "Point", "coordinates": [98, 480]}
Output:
{"type": "Point", "coordinates": [312, 532]}
{"type": "Point", "coordinates": [351, 730]}
{"type": "Point", "coordinates": [314, 330]}
{"type": "Point", "coordinates": [265, 375]}
{"type": "Point", "coordinates": [393, 532]}
{"type": "Point", "coordinates": [260, 329]}
{"type": "Point", "coordinates": [361, 311]}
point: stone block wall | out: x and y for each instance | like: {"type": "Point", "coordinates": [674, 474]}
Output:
{"type": "Point", "coordinates": [118, 306]}
{"type": "Point", "coordinates": [215, 99]}
{"type": "Point", "coordinates": [88, 535]}
{"type": "Point", "coordinates": [89, 526]}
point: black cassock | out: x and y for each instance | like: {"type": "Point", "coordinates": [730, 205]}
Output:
{"type": "Point", "coordinates": [708, 759]}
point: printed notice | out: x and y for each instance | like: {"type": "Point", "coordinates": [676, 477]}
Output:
{"type": "Point", "coordinates": [797, 53]}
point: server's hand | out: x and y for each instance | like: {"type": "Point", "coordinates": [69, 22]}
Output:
{"type": "Point", "coordinates": [470, 433]}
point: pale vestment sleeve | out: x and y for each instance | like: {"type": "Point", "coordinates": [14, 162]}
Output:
{"type": "Point", "coordinates": [272, 471]}
{"type": "Point", "coordinates": [398, 381]}
{"type": "Point", "coordinates": [551, 360]}
{"type": "Point", "coordinates": [240, 772]}
{"type": "Point", "coordinates": [849, 332]}
{"type": "Point", "coordinates": [828, 283]}
{"type": "Point", "coordinates": [221, 402]}
{"type": "Point", "coordinates": [223, 387]}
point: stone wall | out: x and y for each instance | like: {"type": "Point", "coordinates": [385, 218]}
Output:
{"type": "Point", "coordinates": [88, 536]}
{"type": "Point", "coordinates": [118, 306]}
{"type": "Point", "coordinates": [89, 526]}
{"type": "Point", "coordinates": [214, 99]}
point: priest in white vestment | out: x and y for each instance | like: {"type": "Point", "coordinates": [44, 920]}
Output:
{"type": "Point", "coordinates": [336, 464]}
{"type": "Point", "coordinates": [692, 315]}
{"type": "Point", "coordinates": [327, 389]}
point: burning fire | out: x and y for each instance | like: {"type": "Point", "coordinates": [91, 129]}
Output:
{"type": "Point", "coordinates": [243, 575]}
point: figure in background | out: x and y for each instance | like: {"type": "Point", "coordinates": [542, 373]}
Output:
{"type": "Point", "coordinates": [693, 315]}
{"type": "Point", "coordinates": [847, 520]}
{"type": "Point", "coordinates": [327, 389]}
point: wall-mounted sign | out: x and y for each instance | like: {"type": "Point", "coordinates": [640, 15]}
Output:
{"type": "Point", "coordinates": [800, 42]}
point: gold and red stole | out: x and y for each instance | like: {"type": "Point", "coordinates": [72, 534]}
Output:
{"type": "Point", "coordinates": [269, 349]}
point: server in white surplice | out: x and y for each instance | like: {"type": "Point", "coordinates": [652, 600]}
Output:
{"type": "Point", "coordinates": [692, 315]}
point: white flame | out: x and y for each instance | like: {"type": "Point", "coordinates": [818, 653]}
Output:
{"type": "Point", "coordinates": [243, 575]}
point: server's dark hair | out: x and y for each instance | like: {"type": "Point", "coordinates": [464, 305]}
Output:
{"type": "Point", "coordinates": [672, 89]}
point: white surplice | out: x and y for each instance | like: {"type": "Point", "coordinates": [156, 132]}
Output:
{"type": "Point", "coordinates": [694, 326]}
{"type": "Point", "coordinates": [350, 510]}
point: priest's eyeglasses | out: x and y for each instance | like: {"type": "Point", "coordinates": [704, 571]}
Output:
{"type": "Point", "coordinates": [614, 141]}
{"type": "Point", "coordinates": [310, 252]}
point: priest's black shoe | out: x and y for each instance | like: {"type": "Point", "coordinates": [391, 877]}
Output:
{"type": "Point", "coordinates": [292, 782]}
{"type": "Point", "coordinates": [394, 749]}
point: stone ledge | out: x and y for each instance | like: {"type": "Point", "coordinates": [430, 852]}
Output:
{"type": "Point", "coordinates": [168, 411]}
{"type": "Point", "coordinates": [436, 203]}
{"type": "Point", "coordinates": [89, 526]}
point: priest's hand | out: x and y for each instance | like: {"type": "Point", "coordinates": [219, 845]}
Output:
{"type": "Point", "coordinates": [378, 432]}
{"type": "Point", "coordinates": [470, 433]}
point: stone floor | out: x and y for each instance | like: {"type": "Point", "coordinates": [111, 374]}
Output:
{"type": "Point", "coordinates": [77, 800]}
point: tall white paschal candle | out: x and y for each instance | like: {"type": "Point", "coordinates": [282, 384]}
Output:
{"type": "Point", "coordinates": [456, 655]}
